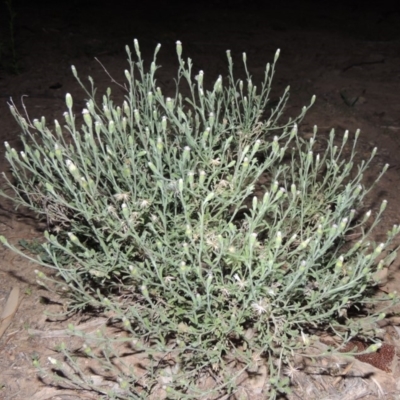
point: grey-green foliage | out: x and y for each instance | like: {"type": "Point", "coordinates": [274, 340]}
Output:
{"type": "Point", "coordinates": [155, 214]}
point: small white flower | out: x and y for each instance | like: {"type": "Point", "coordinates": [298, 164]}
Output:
{"type": "Point", "coordinates": [212, 241]}
{"type": "Point", "coordinates": [144, 203]}
{"type": "Point", "coordinates": [134, 217]}
{"type": "Point", "coordinates": [215, 162]}
{"type": "Point", "coordinates": [52, 360]}
{"type": "Point", "coordinates": [291, 372]}
{"type": "Point", "coordinates": [225, 292]}
{"type": "Point", "coordinates": [221, 185]}
{"type": "Point", "coordinates": [173, 187]}
{"type": "Point", "coordinates": [111, 210]}
{"type": "Point", "coordinates": [259, 308]}
{"type": "Point", "coordinates": [122, 196]}
{"type": "Point", "coordinates": [241, 283]}
{"type": "Point", "coordinates": [305, 338]}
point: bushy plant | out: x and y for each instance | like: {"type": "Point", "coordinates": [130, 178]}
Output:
{"type": "Point", "coordinates": [156, 216]}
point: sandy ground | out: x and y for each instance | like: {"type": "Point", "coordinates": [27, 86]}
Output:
{"type": "Point", "coordinates": [347, 56]}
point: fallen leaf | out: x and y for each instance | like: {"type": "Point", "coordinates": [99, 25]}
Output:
{"type": "Point", "coordinates": [9, 310]}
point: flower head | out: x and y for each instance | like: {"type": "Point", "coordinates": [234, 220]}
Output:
{"type": "Point", "coordinates": [122, 196]}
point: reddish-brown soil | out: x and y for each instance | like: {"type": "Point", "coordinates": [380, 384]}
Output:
{"type": "Point", "coordinates": [348, 56]}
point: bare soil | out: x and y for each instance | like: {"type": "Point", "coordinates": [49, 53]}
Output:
{"type": "Point", "coordinates": [347, 55]}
